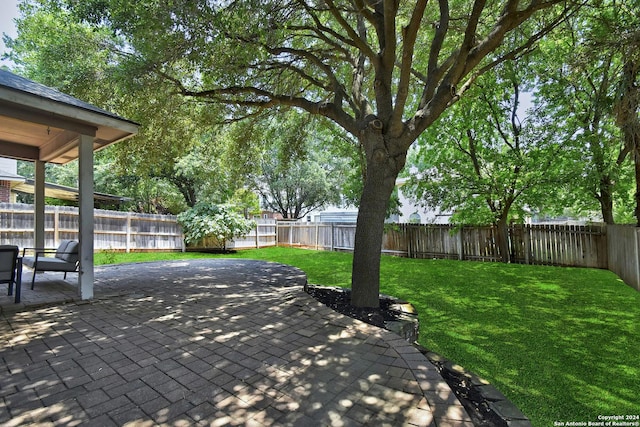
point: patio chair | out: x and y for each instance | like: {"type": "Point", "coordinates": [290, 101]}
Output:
{"type": "Point", "coordinates": [11, 269]}
{"type": "Point", "coordinates": [65, 259]}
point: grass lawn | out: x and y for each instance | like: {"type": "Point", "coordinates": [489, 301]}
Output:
{"type": "Point", "coordinates": [561, 343]}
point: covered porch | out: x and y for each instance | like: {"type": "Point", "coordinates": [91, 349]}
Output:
{"type": "Point", "coordinates": [42, 125]}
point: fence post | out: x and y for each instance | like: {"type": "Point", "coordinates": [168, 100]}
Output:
{"type": "Point", "coordinates": [257, 236]}
{"type": "Point", "coordinates": [527, 243]}
{"type": "Point", "coordinates": [332, 231]}
{"type": "Point", "coordinates": [128, 231]}
{"type": "Point", "coordinates": [56, 225]}
{"type": "Point", "coordinates": [603, 249]}
{"type": "Point", "coordinates": [460, 245]}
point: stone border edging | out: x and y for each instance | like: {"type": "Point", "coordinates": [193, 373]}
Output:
{"type": "Point", "coordinates": [484, 403]}
{"type": "Point", "coordinates": [487, 406]}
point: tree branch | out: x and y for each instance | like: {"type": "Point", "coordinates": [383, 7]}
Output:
{"type": "Point", "coordinates": [322, 30]}
{"type": "Point", "coordinates": [388, 36]}
{"type": "Point", "coordinates": [516, 127]}
{"type": "Point", "coordinates": [469, 41]}
{"type": "Point", "coordinates": [250, 96]}
{"type": "Point", "coordinates": [434, 73]}
{"type": "Point", "coordinates": [325, 34]}
{"type": "Point", "coordinates": [357, 91]}
{"type": "Point", "coordinates": [495, 119]}
{"type": "Point", "coordinates": [282, 66]}
{"type": "Point", "coordinates": [473, 153]}
{"type": "Point", "coordinates": [363, 9]}
{"type": "Point", "coordinates": [358, 42]}
{"type": "Point", "coordinates": [408, 43]}
{"type": "Point", "coordinates": [496, 37]}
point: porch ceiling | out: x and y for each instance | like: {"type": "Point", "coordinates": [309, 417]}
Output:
{"type": "Point", "coordinates": [40, 123]}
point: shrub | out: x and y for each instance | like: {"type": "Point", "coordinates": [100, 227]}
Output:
{"type": "Point", "coordinates": [220, 222]}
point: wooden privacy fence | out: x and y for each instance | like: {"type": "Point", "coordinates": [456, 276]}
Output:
{"type": "Point", "coordinates": [262, 235]}
{"type": "Point", "coordinates": [624, 253]}
{"type": "Point", "coordinates": [613, 247]}
{"type": "Point", "coordinates": [326, 236]}
{"type": "Point", "coordinates": [582, 246]}
{"type": "Point", "coordinates": [616, 247]}
{"type": "Point", "coordinates": [120, 231]}
{"type": "Point", "coordinates": [113, 230]}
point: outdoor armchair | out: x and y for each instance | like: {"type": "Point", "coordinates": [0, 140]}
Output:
{"type": "Point", "coordinates": [65, 259]}
{"type": "Point", "coordinates": [11, 269]}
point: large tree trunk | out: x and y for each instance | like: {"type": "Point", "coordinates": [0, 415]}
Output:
{"type": "Point", "coordinates": [502, 237]}
{"type": "Point", "coordinates": [606, 199]}
{"type": "Point", "coordinates": [636, 158]}
{"type": "Point", "coordinates": [627, 119]}
{"type": "Point", "coordinates": [382, 170]}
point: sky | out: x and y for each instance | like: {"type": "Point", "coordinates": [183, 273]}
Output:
{"type": "Point", "coordinates": [8, 12]}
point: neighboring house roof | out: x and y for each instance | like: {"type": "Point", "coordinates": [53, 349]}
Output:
{"type": "Point", "coordinates": [64, 193]}
{"type": "Point", "coordinates": [11, 177]}
{"type": "Point", "coordinates": [27, 185]}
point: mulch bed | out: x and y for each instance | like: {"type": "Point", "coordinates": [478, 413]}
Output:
{"type": "Point", "coordinates": [340, 300]}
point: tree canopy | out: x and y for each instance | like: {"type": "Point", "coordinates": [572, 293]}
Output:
{"type": "Point", "coordinates": [383, 71]}
{"type": "Point", "coordinates": [60, 51]}
{"type": "Point", "coordinates": [299, 171]}
{"type": "Point", "coordinates": [580, 71]}
{"type": "Point", "coordinates": [489, 162]}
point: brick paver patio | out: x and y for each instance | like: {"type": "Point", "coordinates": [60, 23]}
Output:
{"type": "Point", "coordinates": [207, 342]}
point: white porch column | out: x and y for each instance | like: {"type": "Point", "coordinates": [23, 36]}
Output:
{"type": "Point", "coordinates": [85, 277]}
{"type": "Point", "coordinates": [38, 202]}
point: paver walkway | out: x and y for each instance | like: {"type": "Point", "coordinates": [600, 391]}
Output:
{"type": "Point", "coordinates": [210, 342]}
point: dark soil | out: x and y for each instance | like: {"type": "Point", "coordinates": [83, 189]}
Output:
{"type": "Point", "coordinates": [392, 309]}
{"type": "Point", "coordinates": [218, 251]}
{"type": "Point", "coordinates": [340, 300]}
